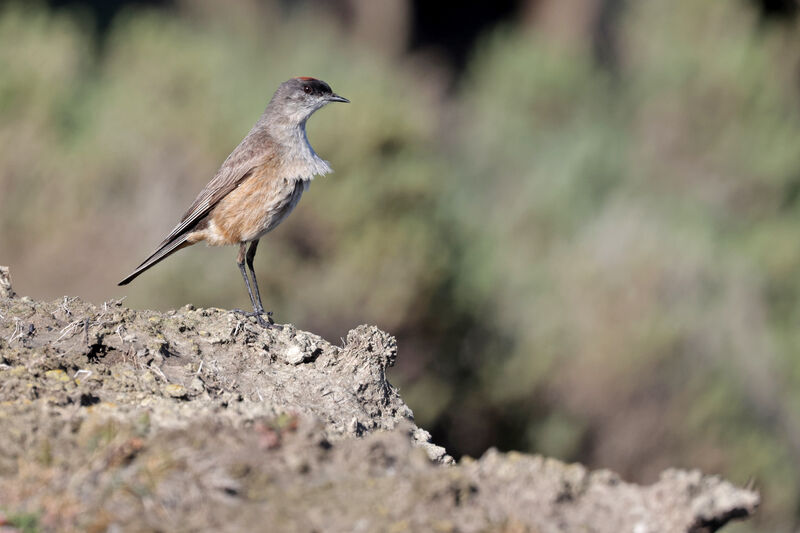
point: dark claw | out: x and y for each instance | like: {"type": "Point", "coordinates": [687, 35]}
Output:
{"type": "Point", "coordinates": [269, 323]}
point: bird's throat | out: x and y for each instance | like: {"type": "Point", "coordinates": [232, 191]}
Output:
{"type": "Point", "coordinates": [300, 161]}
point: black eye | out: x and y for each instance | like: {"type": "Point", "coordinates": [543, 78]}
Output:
{"type": "Point", "coordinates": [307, 89]}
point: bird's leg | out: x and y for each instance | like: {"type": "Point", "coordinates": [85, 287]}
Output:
{"type": "Point", "coordinates": [258, 309]}
{"type": "Point", "coordinates": [240, 264]}
{"type": "Point", "coordinates": [251, 254]}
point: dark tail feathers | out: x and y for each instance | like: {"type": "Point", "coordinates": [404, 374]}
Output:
{"type": "Point", "coordinates": [159, 255]}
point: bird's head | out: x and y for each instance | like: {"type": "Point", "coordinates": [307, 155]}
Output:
{"type": "Point", "coordinates": [296, 99]}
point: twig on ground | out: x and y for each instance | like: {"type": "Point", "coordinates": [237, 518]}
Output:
{"type": "Point", "coordinates": [17, 333]}
{"type": "Point", "coordinates": [159, 372]}
{"type": "Point", "coordinates": [82, 371]}
{"type": "Point", "coordinates": [64, 306]}
{"type": "Point", "coordinates": [68, 329]}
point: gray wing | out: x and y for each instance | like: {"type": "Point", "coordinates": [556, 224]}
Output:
{"type": "Point", "coordinates": [250, 154]}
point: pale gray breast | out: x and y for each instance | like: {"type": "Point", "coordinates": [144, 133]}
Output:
{"type": "Point", "coordinates": [289, 196]}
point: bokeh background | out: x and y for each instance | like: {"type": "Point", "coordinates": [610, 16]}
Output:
{"type": "Point", "coordinates": [581, 218]}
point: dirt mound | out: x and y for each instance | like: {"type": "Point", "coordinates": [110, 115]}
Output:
{"type": "Point", "coordinates": [198, 419]}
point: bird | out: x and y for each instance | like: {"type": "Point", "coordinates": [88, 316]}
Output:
{"type": "Point", "coordinates": [257, 186]}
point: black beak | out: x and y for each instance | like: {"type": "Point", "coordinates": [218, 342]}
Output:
{"type": "Point", "coordinates": [336, 98]}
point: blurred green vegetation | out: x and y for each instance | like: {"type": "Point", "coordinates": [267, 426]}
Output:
{"type": "Point", "coordinates": [598, 267]}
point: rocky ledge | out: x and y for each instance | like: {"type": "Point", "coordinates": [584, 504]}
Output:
{"type": "Point", "coordinates": [199, 419]}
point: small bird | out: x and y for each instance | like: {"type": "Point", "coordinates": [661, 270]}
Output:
{"type": "Point", "coordinates": [257, 186]}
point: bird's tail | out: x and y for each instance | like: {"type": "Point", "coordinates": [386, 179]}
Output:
{"type": "Point", "coordinates": [164, 251]}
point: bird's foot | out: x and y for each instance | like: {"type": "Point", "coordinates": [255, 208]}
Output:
{"type": "Point", "coordinates": [268, 323]}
